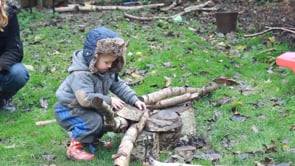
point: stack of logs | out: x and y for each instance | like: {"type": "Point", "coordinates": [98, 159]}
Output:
{"type": "Point", "coordinates": [169, 116]}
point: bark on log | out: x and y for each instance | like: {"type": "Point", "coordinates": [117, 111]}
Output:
{"type": "Point", "coordinates": [105, 109]}
{"type": "Point", "coordinates": [154, 162]}
{"type": "Point", "coordinates": [77, 7]}
{"type": "Point", "coordinates": [153, 97]}
{"type": "Point", "coordinates": [182, 94]}
{"type": "Point", "coordinates": [174, 100]}
{"type": "Point", "coordinates": [122, 157]}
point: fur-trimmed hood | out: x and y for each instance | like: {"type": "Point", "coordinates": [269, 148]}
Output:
{"type": "Point", "coordinates": [104, 41]}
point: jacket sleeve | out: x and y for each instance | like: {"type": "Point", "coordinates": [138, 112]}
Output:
{"type": "Point", "coordinates": [12, 51]}
{"type": "Point", "coordinates": [83, 87]}
{"type": "Point", "coordinates": [124, 92]}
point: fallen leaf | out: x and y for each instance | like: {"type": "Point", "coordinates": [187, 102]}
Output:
{"type": "Point", "coordinates": [29, 67]}
{"type": "Point", "coordinates": [167, 81]}
{"type": "Point", "coordinates": [270, 148]}
{"type": "Point", "coordinates": [43, 103]}
{"type": "Point", "coordinates": [48, 156]}
{"type": "Point", "coordinates": [255, 129]}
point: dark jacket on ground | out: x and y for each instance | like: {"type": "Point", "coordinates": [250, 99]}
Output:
{"type": "Point", "coordinates": [11, 48]}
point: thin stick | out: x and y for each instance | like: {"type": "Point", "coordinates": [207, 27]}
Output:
{"type": "Point", "coordinates": [270, 29]}
{"type": "Point", "coordinates": [45, 122]}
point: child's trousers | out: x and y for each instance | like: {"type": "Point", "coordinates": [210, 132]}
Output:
{"type": "Point", "coordinates": [84, 124]}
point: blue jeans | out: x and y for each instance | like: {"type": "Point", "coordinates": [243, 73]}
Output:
{"type": "Point", "coordinates": [13, 80]}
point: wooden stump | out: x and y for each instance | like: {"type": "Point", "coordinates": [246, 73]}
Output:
{"type": "Point", "coordinates": [146, 142]}
{"type": "Point", "coordinates": [170, 139]}
{"type": "Point", "coordinates": [189, 121]}
{"type": "Point", "coordinates": [168, 125]}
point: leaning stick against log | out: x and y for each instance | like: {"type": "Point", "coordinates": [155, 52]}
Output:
{"type": "Point", "coordinates": [105, 109]}
{"type": "Point", "coordinates": [122, 157]}
{"type": "Point", "coordinates": [152, 162]}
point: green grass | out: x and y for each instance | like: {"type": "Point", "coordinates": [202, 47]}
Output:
{"type": "Point", "coordinates": [195, 59]}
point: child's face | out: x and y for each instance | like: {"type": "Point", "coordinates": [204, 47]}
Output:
{"type": "Point", "coordinates": [104, 63]}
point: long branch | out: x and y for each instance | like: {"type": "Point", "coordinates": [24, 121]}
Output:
{"type": "Point", "coordinates": [186, 10]}
{"type": "Point", "coordinates": [270, 29]}
{"type": "Point", "coordinates": [77, 7]}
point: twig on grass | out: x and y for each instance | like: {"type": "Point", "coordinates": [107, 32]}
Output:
{"type": "Point", "coordinates": [271, 29]}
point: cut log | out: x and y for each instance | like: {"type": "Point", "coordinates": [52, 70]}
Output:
{"type": "Point", "coordinates": [189, 121]}
{"type": "Point", "coordinates": [129, 112]}
{"type": "Point", "coordinates": [161, 133]}
{"type": "Point", "coordinates": [122, 157]}
{"type": "Point", "coordinates": [186, 112]}
{"type": "Point", "coordinates": [168, 125]}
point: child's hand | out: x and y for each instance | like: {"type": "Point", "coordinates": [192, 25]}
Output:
{"type": "Point", "coordinates": [117, 103]}
{"type": "Point", "coordinates": [140, 105]}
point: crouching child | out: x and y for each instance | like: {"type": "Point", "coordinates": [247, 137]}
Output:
{"type": "Point", "coordinates": [84, 95]}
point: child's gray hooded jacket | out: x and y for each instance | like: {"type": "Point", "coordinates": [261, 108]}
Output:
{"type": "Point", "coordinates": [84, 82]}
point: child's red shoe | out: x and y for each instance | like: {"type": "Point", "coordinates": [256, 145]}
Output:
{"type": "Point", "coordinates": [76, 152]}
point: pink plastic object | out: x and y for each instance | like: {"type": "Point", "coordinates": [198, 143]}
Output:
{"type": "Point", "coordinates": [287, 60]}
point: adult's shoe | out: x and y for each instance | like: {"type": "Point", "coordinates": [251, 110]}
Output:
{"type": "Point", "coordinates": [7, 105]}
